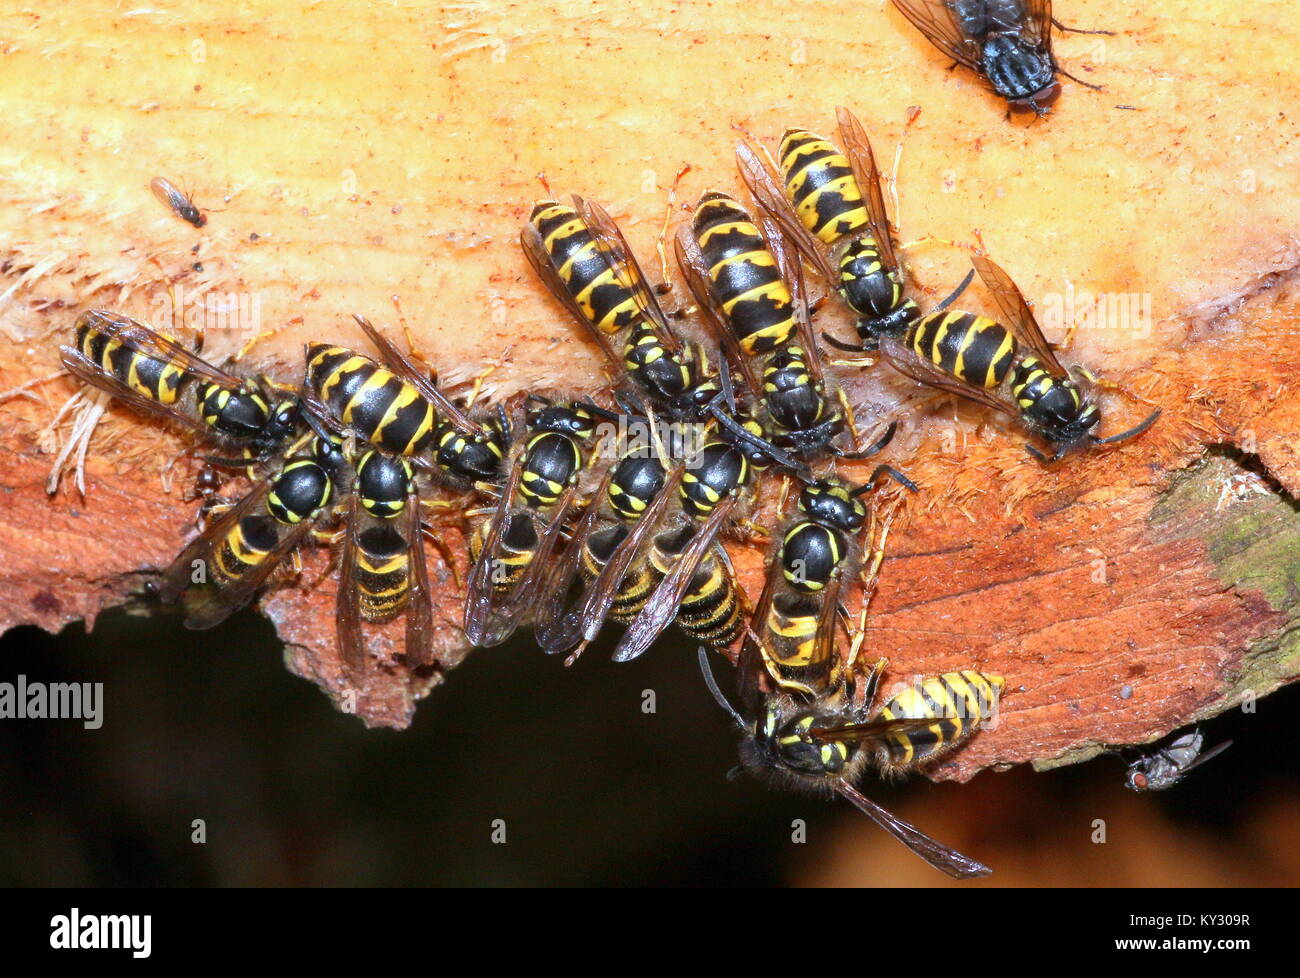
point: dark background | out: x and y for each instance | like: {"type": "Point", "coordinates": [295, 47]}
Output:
{"type": "Point", "coordinates": [592, 790]}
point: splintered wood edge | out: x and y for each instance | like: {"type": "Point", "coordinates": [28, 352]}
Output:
{"type": "Point", "coordinates": [1122, 595]}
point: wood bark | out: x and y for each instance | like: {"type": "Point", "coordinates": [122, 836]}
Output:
{"type": "Point", "coordinates": [352, 152]}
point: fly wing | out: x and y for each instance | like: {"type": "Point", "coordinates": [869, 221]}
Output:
{"type": "Point", "coordinates": [934, 19]}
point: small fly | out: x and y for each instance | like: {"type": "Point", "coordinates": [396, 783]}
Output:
{"type": "Point", "coordinates": [177, 201]}
{"type": "Point", "coordinates": [1165, 767]}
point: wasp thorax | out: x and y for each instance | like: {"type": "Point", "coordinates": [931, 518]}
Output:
{"type": "Point", "coordinates": [383, 482]}
{"type": "Point", "coordinates": [299, 491]}
{"type": "Point", "coordinates": [833, 503]}
{"type": "Point", "coordinates": [782, 744]}
{"type": "Point", "coordinates": [573, 420]}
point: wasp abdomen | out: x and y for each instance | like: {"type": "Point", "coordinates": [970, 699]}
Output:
{"type": "Point", "coordinates": [957, 701]}
{"type": "Point", "coordinates": [585, 268]}
{"type": "Point", "coordinates": [972, 348]}
{"type": "Point", "coordinates": [371, 400]}
{"type": "Point", "coordinates": [821, 186]}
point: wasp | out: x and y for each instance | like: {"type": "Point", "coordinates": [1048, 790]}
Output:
{"type": "Point", "coordinates": [696, 583]}
{"type": "Point", "coordinates": [978, 358]}
{"type": "Point", "coordinates": [825, 742]}
{"type": "Point", "coordinates": [513, 549]}
{"type": "Point", "coordinates": [1007, 42]}
{"type": "Point", "coordinates": [584, 261]}
{"type": "Point", "coordinates": [235, 554]}
{"type": "Point", "coordinates": [1165, 767]}
{"type": "Point", "coordinates": [607, 541]}
{"type": "Point", "coordinates": [177, 201]}
{"type": "Point", "coordinates": [383, 572]}
{"type": "Point", "coordinates": [750, 294]}
{"type": "Point", "coordinates": [151, 372]}
{"type": "Point", "coordinates": [794, 622]}
{"type": "Point", "coordinates": [829, 205]}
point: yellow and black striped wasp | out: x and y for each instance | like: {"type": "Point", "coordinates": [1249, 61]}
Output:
{"type": "Point", "coordinates": [749, 290]}
{"type": "Point", "coordinates": [607, 544]}
{"type": "Point", "coordinates": [237, 552]}
{"type": "Point", "coordinates": [830, 207]}
{"type": "Point", "coordinates": [383, 573]}
{"type": "Point", "coordinates": [825, 743]}
{"type": "Point", "coordinates": [793, 628]}
{"type": "Point", "coordinates": [153, 373]}
{"type": "Point", "coordinates": [808, 719]}
{"type": "Point", "coordinates": [513, 550]}
{"type": "Point", "coordinates": [1008, 43]}
{"type": "Point", "coordinates": [696, 584]}
{"type": "Point", "coordinates": [978, 358]}
{"type": "Point", "coordinates": [584, 261]}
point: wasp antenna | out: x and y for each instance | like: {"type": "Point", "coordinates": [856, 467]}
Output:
{"type": "Point", "coordinates": [891, 472]}
{"type": "Point", "coordinates": [956, 293]}
{"type": "Point", "coordinates": [1132, 432]}
{"type": "Point", "coordinates": [706, 667]}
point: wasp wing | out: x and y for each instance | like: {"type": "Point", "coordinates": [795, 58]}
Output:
{"type": "Point", "coordinates": [556, 628]}
{"type": "Point", "coordinates": [766, 189]}
{"type": "Point", "coordinates": [85, 369]}
{"type": "Point", "coordinates": [222, 600]}
{"type": "Point", "coordinates": [405, 368]}
{"type": "Point", "coordinates": [141, 339]}
{"type": "Point", "coordinates": [481, 591]}
{"type": "Point", "coordinates": [522, 601]}
{"type": "Point", "coordinates": [1016, 312]}
{"type": "Point", "coordinates": [530, 239]}
{"type": "Point", "coordinates": [791, 270]}
{"type": "Point", "coordinates": [419, 605]}
{"type": "Point", "coordinates": [661, 609]}
{"type": "Point", "coordinates": [857, 147]}
{"type": "Point", "coordinates": [696, 272]}
{"type": "Point", "coordinates": [347, 602]}
{"type": "Point", "coordinates": [610, 238]}
{"type": "Point", "coordinates": [906, 362]}
{"type": "Point", "coordinates": [753, 658]}
{"type": "Point", "coordinates": [942, 858]}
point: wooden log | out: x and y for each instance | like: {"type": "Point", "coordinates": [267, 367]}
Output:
{"type": "Point", "coordinates": [351, 153]}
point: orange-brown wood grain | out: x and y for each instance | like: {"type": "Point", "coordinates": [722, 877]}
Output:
{"type": "Point", "coordinates": [352, 152]}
